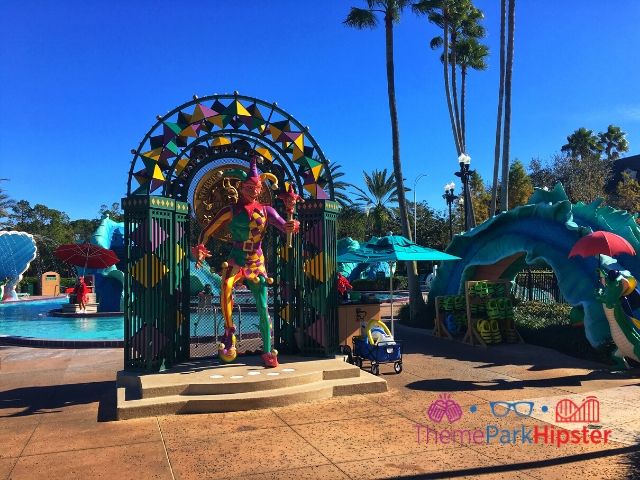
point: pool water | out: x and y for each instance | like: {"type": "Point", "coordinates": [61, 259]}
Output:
{"type": "Point", "coordinates": [31, 320]}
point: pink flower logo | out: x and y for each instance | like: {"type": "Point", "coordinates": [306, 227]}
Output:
{"type": "Point", "coordinates": [444, 406]}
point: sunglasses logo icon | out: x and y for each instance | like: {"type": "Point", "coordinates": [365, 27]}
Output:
{"type": "Point", "coordinates": [502, 409]}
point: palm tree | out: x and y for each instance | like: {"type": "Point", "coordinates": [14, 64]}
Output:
{"type": "Point", "coordinates": [367, 18]}
{"type": "Point", "coordinates": [507, 105]}
{"type": "Point", "coordinates": [613, 142]}
{"type": "Point", "coordinates": [6, 203]}
{"type": "Point", "coordinates": [496, 152]}
{"type": "Point", "coordinates": [582, 143]}
{"type": "Point", "coordinates": [459, 21]}
{"type": "Point", "coordinates": [339, 186]}
{"type": "Point", "coordinates": [470, 54]}
{"type": "Point", "coordinates": [381, 192]}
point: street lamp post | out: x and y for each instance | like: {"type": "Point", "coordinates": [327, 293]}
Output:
{"type": "Point", "coordinates": [465, 172]}
{"type": "Point", "coordinates": [450, 197]}
{"type": "Point", "coordinates": [415, 208]}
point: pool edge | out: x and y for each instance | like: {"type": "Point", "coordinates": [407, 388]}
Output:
{"type": "Point", "coordinates": [13, 341]}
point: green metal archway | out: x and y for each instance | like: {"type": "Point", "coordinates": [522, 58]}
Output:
{"type": "Point", "coordinates": [182, 146]}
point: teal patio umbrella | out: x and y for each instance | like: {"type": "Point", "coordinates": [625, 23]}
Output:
{"type": "Point", "coordinates": [393, 248]}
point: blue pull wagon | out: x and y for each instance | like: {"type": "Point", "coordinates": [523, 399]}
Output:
{"type": "Point", "coordinates": [376, 347]}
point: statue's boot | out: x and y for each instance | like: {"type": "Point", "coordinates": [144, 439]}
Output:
{"type": "Point", "coordinates": [270, 359]}
{"type": "Point", "coordinates": [227, 349]}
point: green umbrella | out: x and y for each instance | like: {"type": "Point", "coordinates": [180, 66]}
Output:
{"type": "Point", "coordinates": [393, 248]}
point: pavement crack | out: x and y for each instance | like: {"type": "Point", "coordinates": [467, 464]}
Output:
{"type": "Point", "coordinates": [164, 446]}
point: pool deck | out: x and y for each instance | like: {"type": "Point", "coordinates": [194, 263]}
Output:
{"type": "Point", "coordinates": [57, 409]}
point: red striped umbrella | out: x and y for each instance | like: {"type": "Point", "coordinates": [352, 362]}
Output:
{"type": "Point", "coordinates": [86, 255]}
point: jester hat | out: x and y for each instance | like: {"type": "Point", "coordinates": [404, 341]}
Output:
{"type": "Point", "coordinates": [253, 176]}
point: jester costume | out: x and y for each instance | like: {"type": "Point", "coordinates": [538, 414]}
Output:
{"type": "Point", "coordinates": [247, 220]}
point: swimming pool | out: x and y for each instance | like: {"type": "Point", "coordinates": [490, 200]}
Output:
{"type": "Point", "coordinates": [31, 320]}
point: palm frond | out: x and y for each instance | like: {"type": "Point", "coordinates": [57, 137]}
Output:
{"type": "Point", "coordinates": [361, 18]}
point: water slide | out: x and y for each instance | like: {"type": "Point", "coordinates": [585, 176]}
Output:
{"type": "Point", "coordinates": [110, 281]}
{"type": "Point", "coordinates": [542, 233]}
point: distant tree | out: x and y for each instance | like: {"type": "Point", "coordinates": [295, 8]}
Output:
{"type": "Point", "coordinates": [480, 197]}
{"type": "Point", "coordinates": [520, 185]}
{"type": "Point", "coordinates": [21, 212]}
{"type": "Point", "coordinates": [49, 227]}
{"type": "Point", "coordinates": [6, 203]}
{"type": "Point", "coordinates": [432, 226]}
{"type": "Point", "coordinates": [352, 222]}
{"type": "Point", "coordinates": [378, 199]}
{"type": "Point", "coordinates": [581, 144]}
{"type": "Point", "coordinates": [613, 142]}
{"type": "Point", "coordinates": [339, 186]}
{"type": "Point", "coordinates": [628, 194]}
{"type": "Point", "coordinates": [585, 178]}
{"type": "Point", "coordinates": [115, 212]}
{"type": "Point", "coordinates": [83, 229]}
{"type": "Point", "coordinates": [541, 175]}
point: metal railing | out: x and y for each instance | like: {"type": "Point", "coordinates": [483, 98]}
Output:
{"type": "Point", "coordinates": [539, 286]}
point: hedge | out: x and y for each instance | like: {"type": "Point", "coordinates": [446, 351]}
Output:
{"type": "Point", "coordinates": [399, 283]}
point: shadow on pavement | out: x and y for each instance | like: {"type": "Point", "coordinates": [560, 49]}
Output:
{"type": "Point", "coordinates": [633, 452]}
{"type": "Point", "coordinates": [55, 398]}
{"type": "Point", "coordinates": [450, 385]}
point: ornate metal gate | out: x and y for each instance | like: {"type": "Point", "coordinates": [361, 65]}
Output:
{"type": "Point", "coordinates": [177, 162]}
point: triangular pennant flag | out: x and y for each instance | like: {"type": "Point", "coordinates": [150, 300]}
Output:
{"type": "Point", "coordinates": [236, 108]}
{"type": "Point", "coordinates": [218, 141]}
{"type": "Point", "coordinates": [219, 120]}
{"type": "Point", "coordinates": [170, 131]}
{"type": "Point", "coordinates": [265, 153]}
{"type": "Point", "coordinates": [316, 171]}
{"type": "Point", "coordinates": [181, 164]}
{"type": "Point", "coordinates": [156, 141]}
{"type": "Point", "coordinates": [307, 163]}
{"type": "Point", "coordinates": [152, 154]}
{"type": "Point", "coordinates": [190, 131]}
{"type": "Point", "coordinates": [184, 119]}
{"type": "Point", "coordinates": [201, 112]}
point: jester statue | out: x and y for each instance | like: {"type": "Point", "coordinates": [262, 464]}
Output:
{"type": "Point", "coordinates": [247, 220]}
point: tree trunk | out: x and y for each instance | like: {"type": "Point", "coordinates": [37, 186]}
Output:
{"type": "Point", "coordinates": [415, 297]}
{"type": "Point", "coordinates": [447, 90]}
{"type": "Point", "coordinates": [507, 107]}
{"type": "Point", "coordinates": [454, 88]}
{"type": "Point", "coordinates": [496, 153]}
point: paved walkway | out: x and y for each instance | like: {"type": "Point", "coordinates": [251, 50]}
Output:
{"type": "Point", "coordinates": [57, 406]}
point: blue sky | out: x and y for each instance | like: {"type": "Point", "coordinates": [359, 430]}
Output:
{"type": "Point", "coordinates": [82, 82]}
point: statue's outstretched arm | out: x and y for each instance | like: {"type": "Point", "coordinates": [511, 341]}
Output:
{"type": "Point", "coordinates": [222, 218]}
{"type": "Point", "coordinates": [280, 223]}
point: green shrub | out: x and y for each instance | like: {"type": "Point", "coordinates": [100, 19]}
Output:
{"type": "Point", "coordinates": [399, 283]}
{"type": "Point", "coordinates": [549, 325]}
{"type": "Point", "coordinates": [67, 282]}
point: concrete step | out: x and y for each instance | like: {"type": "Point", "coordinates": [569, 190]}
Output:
{"type": "Point", "coordinates": [223, 379]}
{"type": "Point", "coordinates": [249, 400]}
{"type": "Point", "coordinates": [205, 385]}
